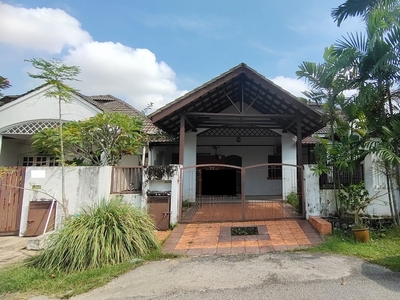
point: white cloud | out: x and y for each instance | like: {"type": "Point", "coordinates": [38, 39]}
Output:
{"type": "Point", "coordinates": [132, 74]}
{"type": "Point", "coordinates": [40, 29]}
{"type": "Point", "coordinates": [292, 85]}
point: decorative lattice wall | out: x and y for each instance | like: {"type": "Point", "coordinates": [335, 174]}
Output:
{"type": "Point", "coordinates": [31, 128]}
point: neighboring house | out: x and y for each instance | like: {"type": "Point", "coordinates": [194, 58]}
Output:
{"type": "Point", "coordinates": [23, 115]}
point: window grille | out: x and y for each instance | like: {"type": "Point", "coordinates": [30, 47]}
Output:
{"type": "Point", "coordinates": [346, 178]}
{"type": "Point", "coordinates": [38, 161]}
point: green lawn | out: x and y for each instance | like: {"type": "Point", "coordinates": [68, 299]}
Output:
{"type": "Point", "coordinates": [384, 248]}
{"type": "Point", "coordinates": [23, 282]}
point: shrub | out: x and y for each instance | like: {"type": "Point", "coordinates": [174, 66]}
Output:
{"type": "Point", "coordinates": [108, 233]}
{"type": "Point", "coordinates": [293, 199]}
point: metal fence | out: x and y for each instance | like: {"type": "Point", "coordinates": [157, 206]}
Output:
{"type": "Point", "coordinates": [346, 178]}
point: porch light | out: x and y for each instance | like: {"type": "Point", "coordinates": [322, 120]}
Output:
{"type": "Point", "coordinates": [238, 139]}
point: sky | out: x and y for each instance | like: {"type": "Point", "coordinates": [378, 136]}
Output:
{"type": "Point", "coordinates": [153, 51]}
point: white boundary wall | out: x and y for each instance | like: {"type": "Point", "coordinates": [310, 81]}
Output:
{"type": "Point", "coordinates": [321, 202]}
{"type": "Point", "coordinates": [86, 185]}
{"type": "Point", "coordinates": [163, 179]}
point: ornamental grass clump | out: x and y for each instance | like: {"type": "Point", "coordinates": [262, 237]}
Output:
{"type": "Point", "coordinates": [108, 233]}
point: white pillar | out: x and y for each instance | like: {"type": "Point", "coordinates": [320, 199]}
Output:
{"type": "Point", "coordinates": [1, 142]}
{"type": "Point", "coordinates": [189, 159]}
{"type": "Point", "coordinates": [312, 193]}
{"type": "Point", "coordinates": [289, 156]}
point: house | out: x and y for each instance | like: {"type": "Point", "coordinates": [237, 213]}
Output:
{"type": "Point", "coordinates": [239, 140]}
{"type": "Point", "coordinates": [236, 148]}
{"type": "Point", "coordinates": [23, 115]}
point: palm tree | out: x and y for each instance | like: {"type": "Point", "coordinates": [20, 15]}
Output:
{"type": "Point", "coordinates": [327, 85]}
{"type": "Point", "coordinates": [372, 59]}
{"type": "Point", "coordinates": [362, 8]}
{"type": "Point", "coordinates": [4, 84]}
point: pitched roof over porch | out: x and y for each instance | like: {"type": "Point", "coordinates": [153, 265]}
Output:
{"type": "Point", "coordinates": [256, 103]}
{"type": "Point", "coordinates": [242, 88]}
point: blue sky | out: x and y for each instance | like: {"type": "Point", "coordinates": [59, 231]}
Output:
{"type": "Point", "coordinates": [154, 51]}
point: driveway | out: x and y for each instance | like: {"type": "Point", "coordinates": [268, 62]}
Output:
{"type": "Point", "coordinates": [13, 250]}
{"type": "Point", "coordinates": [268, 276]}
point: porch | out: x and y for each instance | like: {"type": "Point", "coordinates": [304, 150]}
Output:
{"type": "Point", "coordinates": [216, 238]}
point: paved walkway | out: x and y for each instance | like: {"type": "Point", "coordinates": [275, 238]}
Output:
{"type": "Point", "coordinates": [216, 238]}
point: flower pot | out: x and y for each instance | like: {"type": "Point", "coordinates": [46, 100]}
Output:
{"type": "Point", "coordinates": [361, 235]}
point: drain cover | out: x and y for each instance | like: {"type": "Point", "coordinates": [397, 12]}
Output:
{"type": "Point", "coordinates": [244, 230]}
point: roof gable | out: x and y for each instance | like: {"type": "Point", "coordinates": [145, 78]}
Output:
{"type": "Point", "coordinates": [99, 103]}
{"type": "Point", "coordinates": [240, 87]}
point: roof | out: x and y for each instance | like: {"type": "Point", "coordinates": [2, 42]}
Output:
{"type": "Point", "coordinates": [9, 98]}
{"type": "Point", "coordinates": [310, 140]}
{"type": "Point", "coordinates": [109, 103]}
{"type": "Point", "coordinates": [241, 87]}
{"type": "Point", "coordinates": [106, 103]}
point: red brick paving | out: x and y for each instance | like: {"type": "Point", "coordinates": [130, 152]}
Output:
{"type": "Point", "coordinates": [215, 238]}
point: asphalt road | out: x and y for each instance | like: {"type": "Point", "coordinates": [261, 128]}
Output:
{"type": "Point", "coordinates": [269, 276]}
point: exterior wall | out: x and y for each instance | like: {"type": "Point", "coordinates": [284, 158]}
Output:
{"type": "Point", "coordinates": [257, 182]}
{"type": "Point", "coordinates": [289, 156]}
{"type": "Point", "coordinates": [12, 151]}
{"type": "Point", "coordinates": [163, 179]}
{"type": "Point", "coordinates": [85, 186]}
{"type": "Point", "coordinates": [129, 161]}
{"type": "Point", "coordinates": [318, 202]}
{"type": "Point", "coordinates": [35, 106]}
{"type": "Point", "coordinates": [375, 183]}
{"type": "Point", "coordinates": [321, 202]}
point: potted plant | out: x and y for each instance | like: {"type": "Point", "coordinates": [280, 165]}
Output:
{"type": "Point", "coordinates": [356, 198]}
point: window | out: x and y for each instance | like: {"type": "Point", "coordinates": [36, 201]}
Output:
{"type": "Point", "coordinates": [274, 172]}
{"type": "Point", "coordinates": [346, 178]}
{"type": "Point", "coordinates": [45, 161]}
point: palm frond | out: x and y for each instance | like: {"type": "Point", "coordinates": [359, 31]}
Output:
{"type": "Point", "coordinates": [352, 8]}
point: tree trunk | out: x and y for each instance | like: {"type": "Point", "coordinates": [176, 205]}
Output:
{"type": "Point", "coordinates": [62, 160]}
{"type": "Point", "coordinates": [390, 192]}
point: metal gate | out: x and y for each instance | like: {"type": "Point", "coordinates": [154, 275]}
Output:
{"type": "Point", "coordinates": [11, 193]}
{"type": "Point", "coordinates": [219, 192]}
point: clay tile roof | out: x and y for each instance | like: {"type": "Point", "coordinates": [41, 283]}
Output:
{"type": "Point", "coordinates": [110, 103]}
{"type": "Point", "coordinates": [310, 140]}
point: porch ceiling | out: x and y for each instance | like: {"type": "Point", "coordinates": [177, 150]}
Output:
{"type": "Point", "coordinates": [240, 88]}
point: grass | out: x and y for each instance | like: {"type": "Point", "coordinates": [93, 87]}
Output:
{"type": "Point", "coordinates": [91, 249]}
{"type": "Point", "coordinates": [383, 250]}
{"type": "Point", "coordinates": [23, 282]}
{"type": "Point", "coordinates": [110, 232]}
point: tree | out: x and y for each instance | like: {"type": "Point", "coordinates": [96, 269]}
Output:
{"type": "Point", "coordinates": [4, 84]}
{"type": "Point", "coordinates": [55, 73]}
{"type": "Point", "coordinates": [97, 141]}
{"type": "Point", "coordinates": [328, 84]}
{"type": "Point", "coordinates": [372, 57]}
{"type": "Point", "coordinates": [362, 8]}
